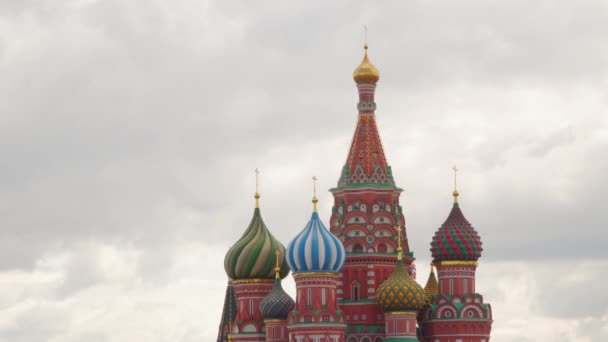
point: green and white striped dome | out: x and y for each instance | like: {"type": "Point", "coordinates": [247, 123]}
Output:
{"type": "Point", "coordinates": [253, 255]}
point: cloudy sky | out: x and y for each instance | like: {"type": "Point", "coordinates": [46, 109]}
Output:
{"type": "Point", "coordinates": [130, 129]}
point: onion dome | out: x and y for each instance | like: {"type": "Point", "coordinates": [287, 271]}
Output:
{"type": "Point", "coordinates": [252, 256]}
{"type": "Point", "coordinates": [432, 287]}
{"type": "Point", "coordinates": [400, 292]}
{"type": "Point", "coordinates": [277, 304]}
{"type": "Point", "coordinates": [315, 248]}
{"type": "Point", "coordinates": [366, 72]}
{"type": "Point", "coordinates": [456, 239]}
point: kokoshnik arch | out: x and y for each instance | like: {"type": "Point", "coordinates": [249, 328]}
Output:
{"type": "Point", "coordinates": [355, 281]}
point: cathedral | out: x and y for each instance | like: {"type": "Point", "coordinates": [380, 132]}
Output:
{"type": "Point", "coordinates": [355, 281]}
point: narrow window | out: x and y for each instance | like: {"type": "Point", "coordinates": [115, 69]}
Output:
{"type": "Point", "coordinates": [309, 299]}
{"type": "Point", "coordinates": [395, 327]}
{"type": "Point", "coordinates": [451, 287]}
{"type": "Point", "coordinates": [466, 290]}
{"type": "Point", "coordinates": [355, 293]}
{"type": "Point", "coordinates": [323, 299]}
{"type": "Point", "coordinates": [251, 307]}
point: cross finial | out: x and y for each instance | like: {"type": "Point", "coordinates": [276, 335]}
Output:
{"type": "Point", "coordinates": [277, 269]}
{"type": "Point", "coordinates": [455, 193]}
{"type": "Point", "coordinates": [365, 35]}
{"type": "Point", "coordinates": [314, 197]}
{"type": "Point", "coordinates": [257, 187]}
{"type": "Point", "coordinates": [399, 249]}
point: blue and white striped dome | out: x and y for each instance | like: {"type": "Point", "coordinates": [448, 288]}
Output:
{"type": "Point", "coordinates": [315, 249]}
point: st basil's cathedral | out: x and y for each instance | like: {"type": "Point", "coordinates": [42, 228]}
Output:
{"type": "Point", "coordinates": [355, 281]}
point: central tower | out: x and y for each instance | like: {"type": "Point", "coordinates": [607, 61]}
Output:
{"type": "Point", "coordinates": [364, 216]}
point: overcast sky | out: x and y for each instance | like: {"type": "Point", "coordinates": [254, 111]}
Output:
{"type": "Point", "coordinates": [129, 132]}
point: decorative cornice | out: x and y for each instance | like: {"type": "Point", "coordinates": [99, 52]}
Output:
{"type": "Point", "coordinates": [400, 313]}
{"type": "Point", "coordinates": [275, 321]}
{"type": "Point", "coordinates": [252, 281]}
{"type": "Point", "coordinates": [456, 263]}
{"type": "Point", "coordinates": [315, 274]}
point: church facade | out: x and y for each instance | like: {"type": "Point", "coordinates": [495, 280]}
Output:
{"type": "Point", "coordinates": [355, 282]}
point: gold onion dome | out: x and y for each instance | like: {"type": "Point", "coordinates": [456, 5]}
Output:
{"type": "Point", "coordinates": [253, 255]}
{"type": "Point", "coordinates": [366, 72]}
{"type": "Point", "coordinates": [400, 292]}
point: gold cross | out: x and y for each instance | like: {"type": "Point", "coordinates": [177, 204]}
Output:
{"type": "Point", "coordinates": [399, 249]}
{"type": "Point", "coordinates": [399, 233]}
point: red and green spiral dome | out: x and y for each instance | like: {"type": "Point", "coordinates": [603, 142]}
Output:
{"type": "Point", "coordinates": [456, 239]}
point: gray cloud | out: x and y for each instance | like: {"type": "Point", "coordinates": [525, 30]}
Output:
{"type": "Point", "coordinates": [136, 125]}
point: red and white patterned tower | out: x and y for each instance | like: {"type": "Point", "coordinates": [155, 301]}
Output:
{"type": "Point", "coordinates": [250, 264]}
{"type": "Point", "coordinates": [316, 257]}
{"type": "Point", "coordinates": [366, 210]}
{"type": "Point", "coordinates": [457, 313]}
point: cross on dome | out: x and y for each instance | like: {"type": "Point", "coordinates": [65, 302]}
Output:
{"type": "Point", "coordinates": [257, 187]}
{"type": "Point", "coordinates": [455, 193]}
{"type": "Point", "coordinates": [399, 248]}
{"type": "Point", "coordinates": [315, 200]}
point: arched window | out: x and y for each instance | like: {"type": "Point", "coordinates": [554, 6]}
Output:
{"type": "Point", "coordinates": [355, 292]}
{"type": "Point", "coordinates": [358, 248]}
{"type": "Point", "coordinates": [382, 248]}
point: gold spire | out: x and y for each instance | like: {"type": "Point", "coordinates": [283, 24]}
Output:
{"type": "Point", "coordinates": [257, 186]}
{"type": "Point", "coordinates": [431, 288]}
{"type": "Point", "coordinates": [399, 249]}
{"type": "Point", "coordinates": [366, 72]}
{"type": "Point", "coordinates": [277, 269]}
{"type": "Point", "coordinates": [455, 193]}
{"type": "Point", "coordinates": [315, 200]}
